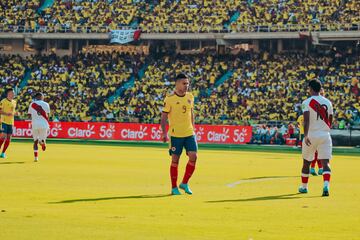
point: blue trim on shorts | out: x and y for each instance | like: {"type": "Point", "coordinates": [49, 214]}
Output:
{"type": "Point", "coordinates": [6, 129]}
{"type": "Point", "coordinates": [177, 144]}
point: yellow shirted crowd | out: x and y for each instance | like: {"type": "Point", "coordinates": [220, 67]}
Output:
{"type": "Point", "coordinates": [73, 88]}
{"type": "Point", "coordinates": [277, 14]}
{"type": "Point", "coordinates": [263, 87]}
{"type": "Point", "coordinates": [19, 13]}
{"type": "Point", "coordinates": [182, 16]}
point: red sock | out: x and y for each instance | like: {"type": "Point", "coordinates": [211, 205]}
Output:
{"type": "Point", "coordinates": [313, 164]}
{"type": "Point", "coordinates": [190, 168]}
{"type": "Point", "coordinates": [319, 164]}
{"type": "Point", "coordinates": [6, 145]}
{"type": "Point", "coordinates": [304, 179]}
{"type": "Point", "coordinates": [174, 175]}
{"type": "Point", "coordinates": [36, 148]}
{"type": "Point", "coordinates": [1, 141]}
{"type": "Point", "coordinates": [326, 176]}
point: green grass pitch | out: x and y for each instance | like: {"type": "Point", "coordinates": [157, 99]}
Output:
{"type": "Point", "coordinates": [122, 192]}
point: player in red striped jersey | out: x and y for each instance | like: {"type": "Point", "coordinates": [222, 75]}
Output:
{"type": "Point", "coordinates": [39, 112]}
{"type": "Point", "coordinates": [318, 114]}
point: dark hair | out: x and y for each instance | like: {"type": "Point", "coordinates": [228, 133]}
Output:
{"type": "Point", "coordinates": [180, 76]}
{"type": "Point", "coordinates": [315, 85]}
{"type": "Point", "coordinates": [8, 90]}
{"type": "Point", "coordinates": [38, 95]}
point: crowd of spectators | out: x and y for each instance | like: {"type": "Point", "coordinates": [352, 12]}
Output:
{"type": "Point", "coordinates": [12, 69]}
{"type": "Point", "coordinates": [180, 16]}
{"type": "Point", "coordinates": [77, 87]}
{"type": "Point", "coordinates": [18, 13]}
{"type": "Point", "coordinates": [258, 86]}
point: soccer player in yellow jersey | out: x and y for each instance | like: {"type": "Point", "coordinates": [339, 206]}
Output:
{"type": "Point", "coordinates": [179, 110]}
{"type": "Point", "coordinates": [7, 112]}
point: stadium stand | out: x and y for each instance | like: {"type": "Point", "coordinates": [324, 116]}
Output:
{"type": "Point", "coordinates": [181, 16]}
{"type": "Point", "coordinates": [12, 69]}
{"type": "Point", "coordinates": [323, 15]}
{"type": "Point", "coordinates": [15, 13]}
{"type": "Point", "coordinates": [77, 87]}
{"type": "Point", "coordinates": [259, 87]}
{"type": "Point", "coordinates": [82, 15]}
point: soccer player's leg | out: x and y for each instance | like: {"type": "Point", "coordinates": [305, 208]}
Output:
{"type": "Point", "coordinates": [42, 138]}
{"type": "Point", "coordinates": [2, 138]}
{"type": "Point", "coordinates": [7, 130]}
{"type": "Point", "coordinates": [325, 154]}
{"type": "Point", "coordinates": [36, 150]}
{"type": "Point", "coordinates": [307, 154]}
{"type": "Point", "coordinates": [320, 166]}
{"type": "Point", "coordinates": [35, 133]}
{"type": "Point", "coordinates": [191, 150]}
{"type": "Point", "coordinates": [176, 146]}
{"type": "Point", "coordinates": [313, 164]}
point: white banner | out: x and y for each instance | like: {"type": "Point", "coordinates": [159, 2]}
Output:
{"type": "Point", "coordinates": [124, 36]}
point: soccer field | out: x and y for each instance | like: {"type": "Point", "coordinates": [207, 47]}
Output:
{"type": "Point", "coordinates": [122, 192]}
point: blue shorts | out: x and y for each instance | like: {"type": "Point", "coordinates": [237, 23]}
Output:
{"type": "Point", "coordinates": [6, 129]}
{"type": "Point", "coordinates": [178, 143]}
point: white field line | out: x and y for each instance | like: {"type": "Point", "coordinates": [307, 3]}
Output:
{"type": "Point", "coordinates": [230, 185]}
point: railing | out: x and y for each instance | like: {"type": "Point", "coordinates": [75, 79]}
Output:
{"type": "Point", "coordinates": [201, 29]}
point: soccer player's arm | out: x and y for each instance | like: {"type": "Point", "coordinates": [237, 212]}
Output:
{"type": "Point", "coordinates": [1, 109]}
{"type": "Point", "coordinates": [164, 117]}
{"type": "Point", "coordinates": [29, 111]}
{"type": "Point", "coordinates": [192, 112]}
{"type": "Point", "coordinates": [306, 112]}
{"type": "Point", "coordinates": [2, 112]}
{"type": "Point", "coordinates": [47, 110]}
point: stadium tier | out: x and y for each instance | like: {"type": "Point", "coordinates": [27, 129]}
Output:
{"type": "Point", "coordinates": [228, 89]}
{"type": "Point", "coordinates": [18, 13]}
{"type": "Point", "coordinates": [179, 16]}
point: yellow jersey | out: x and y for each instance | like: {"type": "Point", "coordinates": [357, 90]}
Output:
{"type": "Point", "coordinates": [179, 109]}
{"type": "Point", "coordinates": [300, 121]}
{"type": "Point", "coordinates": [8, 106]}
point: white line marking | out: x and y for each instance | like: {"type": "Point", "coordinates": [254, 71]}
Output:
{"type": "Point", "coordinates": [230, 185]}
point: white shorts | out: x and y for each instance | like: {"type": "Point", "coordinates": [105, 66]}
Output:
{"type": "Point", "coordinates": [320, 142]}
{"type": "Point", "coordinates": [40, 134]}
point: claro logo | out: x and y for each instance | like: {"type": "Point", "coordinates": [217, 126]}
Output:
{"type": "Point", "coordinates": [218, 137]}
{"type": "Point", "coordinates": [133, 134]}
{"type": "Point", "coordinates": [22, 132]}
{"type": "Point", "coordinates": [78, 132]}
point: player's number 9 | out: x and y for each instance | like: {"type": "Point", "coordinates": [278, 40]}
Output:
{"type": "Point", "coordinates": [184, 108]}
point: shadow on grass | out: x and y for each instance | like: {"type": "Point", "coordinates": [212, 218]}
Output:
{"type": "Point", "coordinates": [111, 198]}
{"type": "Point", "coordinates": [265, 198]}
{"type": "Point", "coordinates": [12, 162]}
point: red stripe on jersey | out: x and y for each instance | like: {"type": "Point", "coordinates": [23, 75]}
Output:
{"type": "Point", "coordinates": [316, 106]}
{"type": "Point", "coordinates": [40, 110]}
